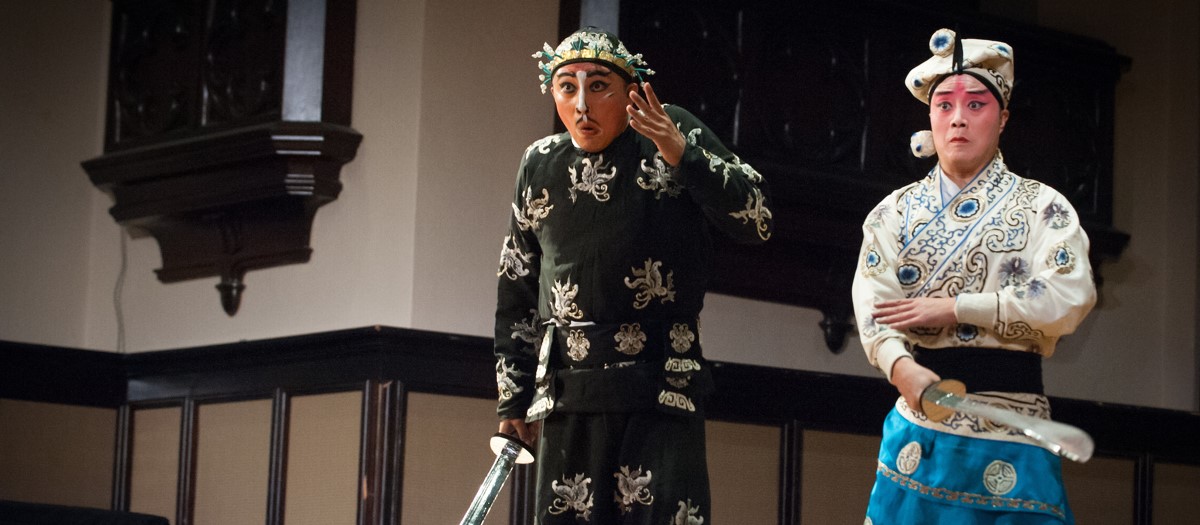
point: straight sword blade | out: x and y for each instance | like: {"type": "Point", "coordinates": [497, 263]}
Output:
{"type": "Point", "coordinates": [1062, 439]}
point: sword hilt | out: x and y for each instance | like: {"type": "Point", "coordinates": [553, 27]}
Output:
{"type": "Point", "coordinates": [509, 451]}
{"type": "Point", "coordinates": [936, 391]}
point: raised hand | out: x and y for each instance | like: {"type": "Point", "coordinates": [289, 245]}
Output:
{"type": "Point", "coordinates": [647, 117]}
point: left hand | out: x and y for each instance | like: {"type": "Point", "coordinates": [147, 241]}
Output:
{"type": "Point", "coordinates": [929, 312]}
{"type": "Point", "coordinates": [647, 117]}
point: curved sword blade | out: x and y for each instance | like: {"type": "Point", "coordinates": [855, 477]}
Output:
{"type": "Point", "coordinates": [1062, 439]}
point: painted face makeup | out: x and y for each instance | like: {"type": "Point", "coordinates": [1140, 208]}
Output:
{"type": "Point", "coordinates": [590, 100]}
{"type": "Point", "coordinates": [966, 120]}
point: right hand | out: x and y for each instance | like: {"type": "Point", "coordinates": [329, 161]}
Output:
{"type": "Point", "coordinates": [911, 379]}
{"type": "Point", "coordinates": [526, 432]}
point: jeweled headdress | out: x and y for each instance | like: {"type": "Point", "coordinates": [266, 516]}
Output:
{"type": "Point", "coordinates": [591, 44]}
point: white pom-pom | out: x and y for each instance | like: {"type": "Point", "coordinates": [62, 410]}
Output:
{"type": "Point", "coordinates": [942, 42]}
{"type": "Point", "coordinates": [921, 144]}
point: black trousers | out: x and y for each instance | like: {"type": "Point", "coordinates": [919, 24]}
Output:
{"type": "Point", "coordinates": [627, 468]}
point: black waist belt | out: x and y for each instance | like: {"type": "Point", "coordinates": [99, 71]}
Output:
{"type": "Point", "coordinates": [985, 369]}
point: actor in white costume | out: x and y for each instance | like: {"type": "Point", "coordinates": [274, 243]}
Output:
{"type": "Point", "coordinates": [972, 273]}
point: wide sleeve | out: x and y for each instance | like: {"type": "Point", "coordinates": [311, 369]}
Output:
{"type": "Point", "coordinates": [518, 327]}
{"type": "Point", "coordinates": [1047, 289]}
{"type": "Point", "coordinates": [874, 281]}
{"type": "Point", "coordinates": [730, 192]}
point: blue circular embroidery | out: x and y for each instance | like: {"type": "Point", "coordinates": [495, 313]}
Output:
{"type": "Point", "coordinates": [872, 258]}
{"type": "Point", "coordinates": [1062, 257]}
{"type": "Point", "coordinates": [916, 82]}
{"type": "Point", "coordinates": [967, 332]}
{"type": "Point", "coordinates": [967, 208]}
{"type": "Point", "coordinates": [908, 274]}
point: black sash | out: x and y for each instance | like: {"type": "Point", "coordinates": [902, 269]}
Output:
{"type": "Point", "coordinates": [985, 369]}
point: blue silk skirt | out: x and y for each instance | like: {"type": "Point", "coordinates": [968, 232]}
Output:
{"type": "Point", "coordinates": [927, 476]}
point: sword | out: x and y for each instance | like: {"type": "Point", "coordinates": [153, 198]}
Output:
{"type": "Point", "coordinates": [947, 396]}
{"type": "Point", "coordinates": [509, 451]}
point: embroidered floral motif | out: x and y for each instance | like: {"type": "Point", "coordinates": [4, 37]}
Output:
{"type": "Point", "coordinates": [632, 487]}
{"type": "Point", "coordinates": [577, 345]}
{"type": "Point", "coordinates": [966, 332]}
{"type": "Point", "coordinates": [1056, 215]}
{"type": "Point", "coordinates": [999, 477]}
{"type": "Point", "coordinates": [659, 178]}
{"type": "Point", "coordinates": [909, 458]}
{"type": "Point", "coordinates": [752, 174]}
{"type": "Point", "coordinates": [630, 339]}
{"type": "Point", "coordinates": [649, 281]}
{"type": "Point", "coordinates": [687, 514]}
{"type": "Point", "coordinates": [573, 495]}
{"type": "Point", "coordinates": [966, 209]}
{"type": "Point", "coordinates": [1014, 271]}
{"type": "Point", "coordinates": [535, 210]}
{"type": "Point", "coordinates": [869, 327]}
{"type": "Point", "coordinates": [873, 263]}
{"type": "Point", "coordinates": [513, 260]}
{"type": "Point", "coordinates": [506, 383]}
{"type": "Point", "coordinates": [682, 337]}
{"type": "Point", "coordinates": [1061, 257]}
{"type": "Point", "coordinates": [909, 274]}
{"type": "Point", "coordinates": [755, 211]}
{"type": "Point", "coordinates": [1032, 289]}
{"type": "Point", "coordinates": [875, 218]}
{"type": "Point", "coordinates": [715, 162]}
{"type": "Point", "coordinates": [543, 145]}
{"type": "Point", "coordinates": [527, 330]}
{"type": "Point", "coordinates": [562, 305]}
{"type": "Point", "coordinates": [593, 177]}
{"type": "Point", "coordinates": [693, 135]}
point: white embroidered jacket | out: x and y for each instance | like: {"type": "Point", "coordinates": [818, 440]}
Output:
{"type": "Point", "coordinates": [1009, 249]}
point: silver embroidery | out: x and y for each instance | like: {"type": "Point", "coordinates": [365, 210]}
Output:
{"type": "Point", "coordinates": [755, 211]}
{"type": "Point", "coordinates": [562, 305]}
{"type": "Point", "coordinates": [535, 210]}
{"type": "Point", "coordinates": [592, 178]}
{"type": "Point", "coordinates": [909, 458]}
{"type": "Point", "coordinates": [650, 281]}
{"type": "Point", "coordinates": [577, 345]}
{"type": "Point", "coordinates": [999, 477]}
{"type": "Point", "coordinates": [687, 514]}
{"type": "Point", "coordinates": [752, 174]}
{"type": "Point", "coordinates": [630, 339]}
{"type": "Point", "coordinates": [659, 178]}
{"type": "Point", "coordinates": [513, 260]}
{"type": "Point", "coordinates": [506, 384]}
{"type": "Point", "coordinates": [542, 145]}
{"type": "Point", "coordinates": [632, 487]}
{"type": "Point", "coordinates": [682, 337]}
{"type": "Point", "coordinates": [527, 330]}
{"type": "Point", "coordinates": [573, 495]}
{"type": "Point", "coordinates": [715, 162]}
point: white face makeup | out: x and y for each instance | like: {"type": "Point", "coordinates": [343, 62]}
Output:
{"type": "Point", "coordinates": [581, 101]}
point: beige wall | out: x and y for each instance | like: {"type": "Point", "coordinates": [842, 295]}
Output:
{"type": "Point", "coordinates": [56, 454]}
{"type": "Point", "coordinates": [446, 94]}
{"type": "Point", "coordinates": [52, 100]}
